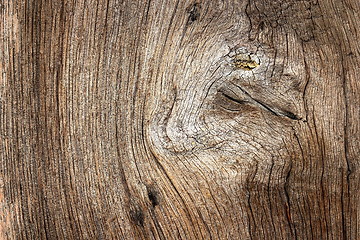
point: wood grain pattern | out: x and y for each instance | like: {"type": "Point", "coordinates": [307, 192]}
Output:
{"type": "Point", "coordinates": [168, 119]}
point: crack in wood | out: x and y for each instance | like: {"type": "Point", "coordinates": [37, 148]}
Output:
{"type": "Point", "coordinates": [273, 110]}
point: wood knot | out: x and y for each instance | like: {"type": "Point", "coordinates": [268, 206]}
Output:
{"type": "Point", "coordinates": [245, 61]}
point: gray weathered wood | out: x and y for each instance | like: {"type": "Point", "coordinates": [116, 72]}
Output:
{"type": "Point", "coordinates": [167, 119]}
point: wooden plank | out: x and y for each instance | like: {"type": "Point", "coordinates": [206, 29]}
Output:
{"type": "Point", "coordinates": [184, 119]}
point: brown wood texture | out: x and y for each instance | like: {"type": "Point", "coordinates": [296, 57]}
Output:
{"type": "Point", "coordinates": [164, 119]}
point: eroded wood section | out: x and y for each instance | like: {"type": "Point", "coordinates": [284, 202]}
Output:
{"type": "Point", "coordinates": [179, 119]}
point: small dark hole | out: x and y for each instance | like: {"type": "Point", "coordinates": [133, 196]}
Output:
{"type": "Point", "coordinates": [153, 196]}
{"type": "Point", "coordinates": [261, 26]}
{"type": "Point", "coordinates": [194, 13]}
{"type": "Point", "coordinates": [137, 216]}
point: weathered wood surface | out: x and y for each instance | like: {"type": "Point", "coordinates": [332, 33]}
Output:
{"type": "Point", "coordinates": [179, 119]}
